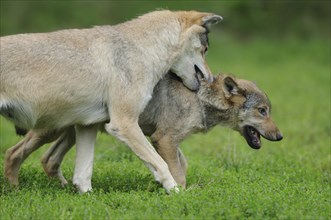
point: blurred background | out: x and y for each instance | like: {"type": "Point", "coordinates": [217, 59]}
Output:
{"type": "Point", "coordinates": [242, 18]}
{"type": "Point", "coordinates": [284, 46]}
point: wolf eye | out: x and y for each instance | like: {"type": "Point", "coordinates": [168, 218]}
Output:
{"type": "Point", "coordinates": [205, 50]}
{"type": "Point", "coordinates": [262, 111]}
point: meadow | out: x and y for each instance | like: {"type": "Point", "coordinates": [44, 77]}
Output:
{"type": "Point", "coordinates": [226, 179]}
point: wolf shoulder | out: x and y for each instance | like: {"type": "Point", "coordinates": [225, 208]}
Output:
{"type": "Point", "coordinates": [173, 106]}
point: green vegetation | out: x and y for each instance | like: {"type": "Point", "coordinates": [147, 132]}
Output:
{"type": "Point", "coordinates": [227, 179]}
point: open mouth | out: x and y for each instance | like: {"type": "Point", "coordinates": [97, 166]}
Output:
{"type": "Point", "coordinates": [198, 73]}
{"type": "Point", "coordinates": [252, 136]}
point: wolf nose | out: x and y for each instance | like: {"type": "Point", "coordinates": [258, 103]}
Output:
{"type": "Point", "coordinates": [279, 137]}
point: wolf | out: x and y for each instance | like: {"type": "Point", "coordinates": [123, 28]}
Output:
{"type": "Point", "coordinates": [173, 113]}
{"type": "Point", "coordinates": [81, 77]}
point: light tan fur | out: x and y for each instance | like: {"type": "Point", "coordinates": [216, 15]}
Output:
{"type": "Point", "coordinates": [173, 113]}
{"type": "Point", "coordinates": [51, 81]}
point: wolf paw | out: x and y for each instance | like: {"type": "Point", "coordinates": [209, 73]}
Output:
{"type": "Point", "coordinates": [171, 186]}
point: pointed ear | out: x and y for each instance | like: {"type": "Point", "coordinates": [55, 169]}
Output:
{"type": "Point", "coordinates": [230, 86]}
{"type": "Point", "coordinates": [202, 19]}
{"type": "Point", "coordinates": [210, 20]}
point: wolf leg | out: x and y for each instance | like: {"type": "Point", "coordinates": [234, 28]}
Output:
{"type": "Point", "coordinates": [183, 161]}
{"type": "Point", "coordinates": [12, 162]}
{"type": "Point", "coordinates": [52, 159]}
{"type": "Point", "coordinates": [18, 153]}
{"type": "Point", "coordinates": [85, 140]}
{"type": "Point", "coordinates": [168, 149]}
{"type": "Point", "coordinates": [128, 131]}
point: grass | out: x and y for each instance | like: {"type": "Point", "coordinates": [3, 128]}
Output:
{"type": "Point", "coordinates": [226, 179]}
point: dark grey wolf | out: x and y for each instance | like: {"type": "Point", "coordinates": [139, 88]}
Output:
{"type": "Point", "coordinates": [173, 113]}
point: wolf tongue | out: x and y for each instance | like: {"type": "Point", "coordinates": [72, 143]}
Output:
{"type": "Point", "coordinates": [255, 139]}
{"type": "Point", "coordinates": [254, 136]}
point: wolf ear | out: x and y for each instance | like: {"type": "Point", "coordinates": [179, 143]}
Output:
{"type": "Point", "coordinates": [230, 86]}
{"type": "Point", "coordinates": [210, 20]}
{"type": "Point", "coordinates": [202, 19]}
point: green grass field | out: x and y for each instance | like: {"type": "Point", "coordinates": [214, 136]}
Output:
{"type": "Point", "coordinates": [226, 178]}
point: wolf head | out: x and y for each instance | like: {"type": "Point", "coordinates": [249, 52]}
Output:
{"type": "Point", "coordinates": [243, 107]}
{"type": "Point", "coordinates": [190, 60]}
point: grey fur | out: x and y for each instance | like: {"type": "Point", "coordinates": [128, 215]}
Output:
{"type": "Point", "coordinates": [173, 113]}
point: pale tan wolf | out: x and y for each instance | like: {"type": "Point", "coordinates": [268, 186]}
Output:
{"type": "Point", "coordinates": [173, 113]}
{"type": "Point", "coordinates": [50, 81]}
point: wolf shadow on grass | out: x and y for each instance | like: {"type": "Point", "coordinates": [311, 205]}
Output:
{"type": "Point", "coordinates": [33, 179]}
